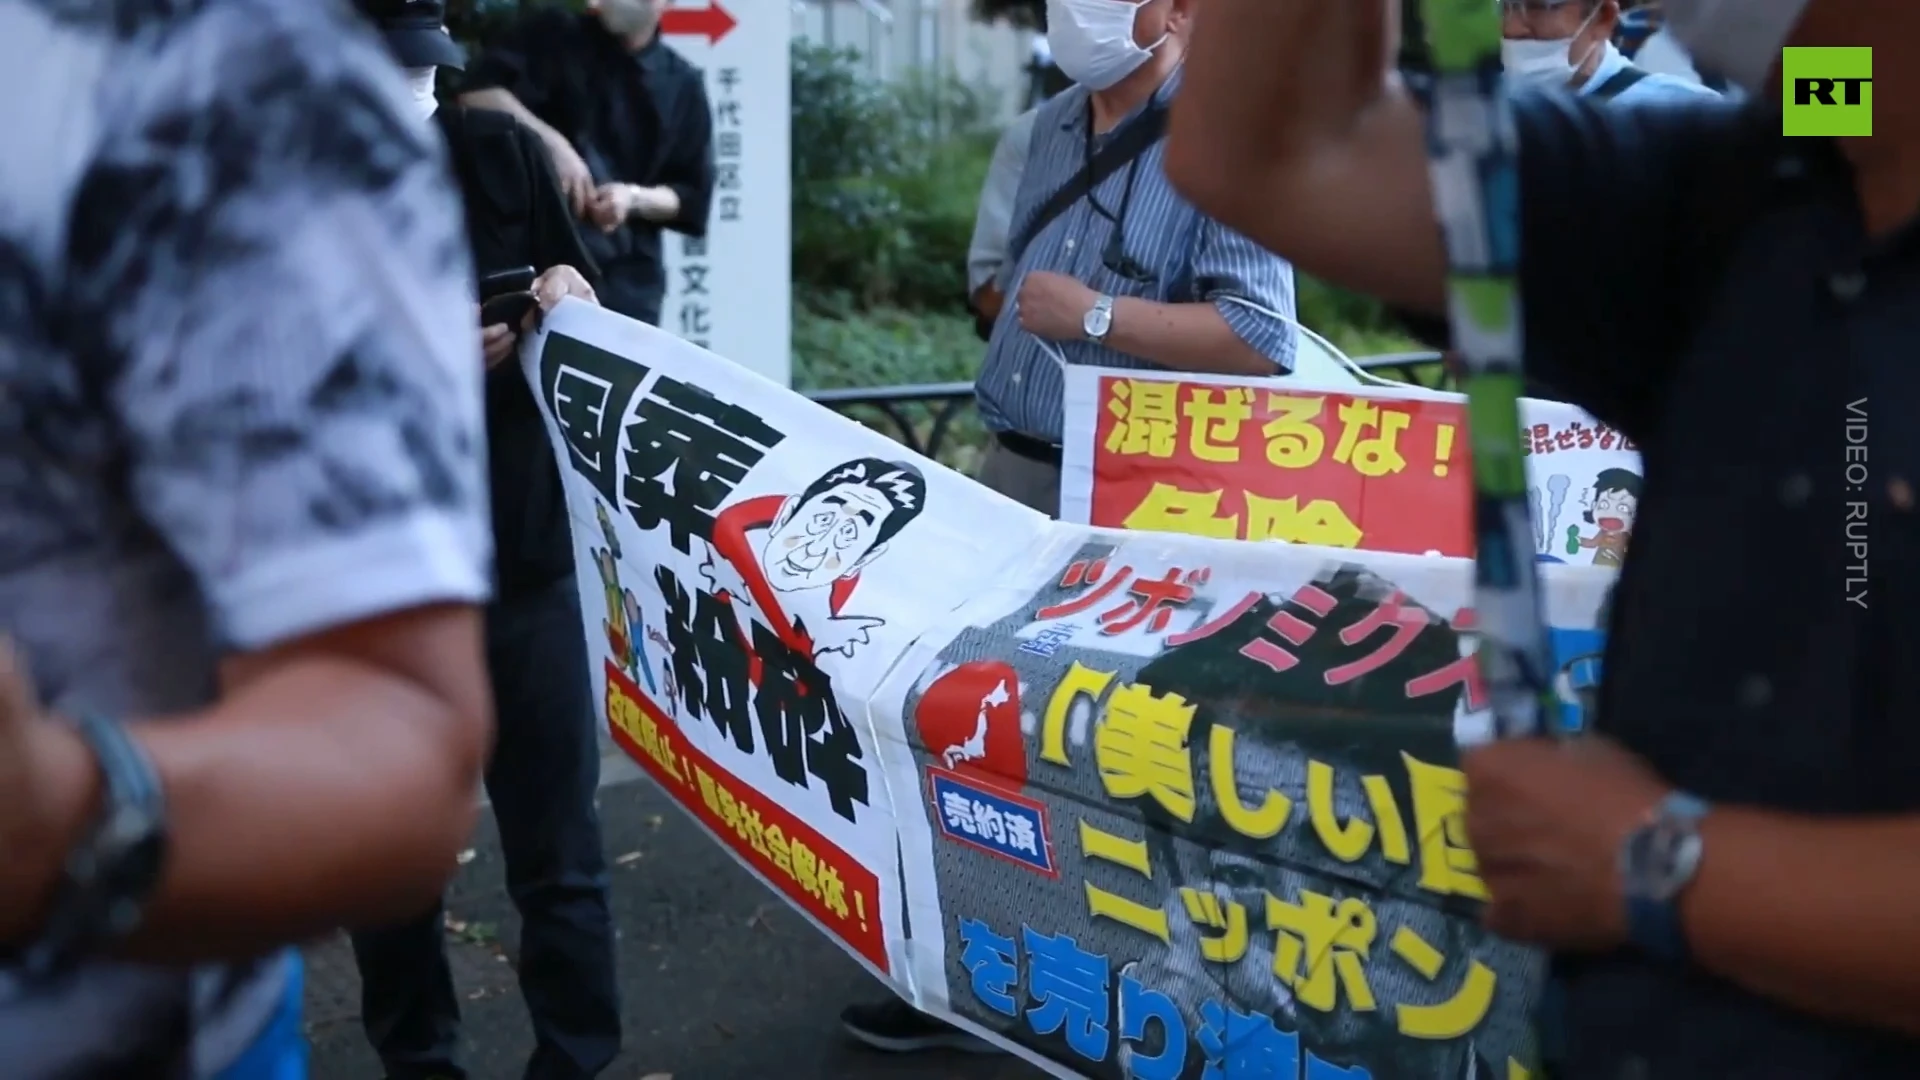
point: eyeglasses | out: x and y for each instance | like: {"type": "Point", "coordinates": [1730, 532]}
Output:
{"type": "Point", "coordinates": [1545, 18]}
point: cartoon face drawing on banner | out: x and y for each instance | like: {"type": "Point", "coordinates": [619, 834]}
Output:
{"type": "Point", "coordinates": [796, 559]}
{"type": "Point", "coordinates": [1612, 505]}
{"type": "Point", "coordinates": [969, 721]}
{"type": "Point", "coordinates": [623, 624]}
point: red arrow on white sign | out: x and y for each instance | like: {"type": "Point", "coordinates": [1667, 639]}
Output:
{"type": "Point", "coordinates": [711, 22]}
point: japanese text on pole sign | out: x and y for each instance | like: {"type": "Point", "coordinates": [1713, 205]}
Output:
{"type": "Point", "coordinates": [696, 269]}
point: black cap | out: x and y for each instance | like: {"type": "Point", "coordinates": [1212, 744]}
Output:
{"type": "Point", "coordinates": [416, 32]}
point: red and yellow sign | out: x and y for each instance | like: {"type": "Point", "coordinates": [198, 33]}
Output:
{"type": "Point", "coordinates": [1235, 462]}
{"type": "Point", "coordinates": [808, 868]}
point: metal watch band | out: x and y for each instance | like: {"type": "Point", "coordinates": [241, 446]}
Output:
{"type": "Point", "coordinates": [1103, 307]}
{"type": "Point", "coordinates": [109, 876]}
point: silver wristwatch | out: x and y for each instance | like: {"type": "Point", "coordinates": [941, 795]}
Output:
{"type": "Point", "coordinates": [1657, 863]}
{"type": "Point", "coordinates": [1098, 319]}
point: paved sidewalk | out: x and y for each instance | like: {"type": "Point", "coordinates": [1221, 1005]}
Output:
{"type": "Point", "coordinates": [721, 980]}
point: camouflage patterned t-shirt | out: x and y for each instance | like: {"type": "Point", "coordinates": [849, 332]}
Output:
{"type": "Point", "coordinates": [239, 401]}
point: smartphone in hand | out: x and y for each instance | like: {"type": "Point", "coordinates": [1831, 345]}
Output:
{"type": "Point", "coordinates": [509, 309]}
{"type": "Point", "coordinates": [506, 297]}
{"type": "Point", "coordinates": [519, 279]}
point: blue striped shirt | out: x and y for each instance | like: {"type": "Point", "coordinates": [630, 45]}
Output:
{"type": "Point", "coordinates": [1192, 259]}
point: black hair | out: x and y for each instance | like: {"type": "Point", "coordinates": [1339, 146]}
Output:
{"type": "Point", "coordinates": [1617, 479]}
{"type": "Point", "coordinates": [903, 485]}
{"type": "Point", "coordinates": [1625, 481]}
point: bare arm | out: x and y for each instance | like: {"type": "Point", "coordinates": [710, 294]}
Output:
{"type": "Point", "coordinates": [500, 99]}
{"type": "Point", "coordinates": [1816, 914]}
{"type": "Point", "coordinates": [1185, 337]}
{"type": "Point", "coordinates": [1291, 129]}
{"type": "Point", "coordinates": [333, 779]}
{"type": "Point", "coordinates": [333, 786]}
{"type": "Point", "coordinates": [988, 300]}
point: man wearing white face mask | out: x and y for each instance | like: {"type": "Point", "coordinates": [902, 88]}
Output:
{"type": "Point", "coordinates": [1569, 43]}
{"type": "Point", "coordinates": [1106, 264]}
{"type": "Point", "coordinates": [1727, 871]}
{"type": "Point", "coordinates": [544, 769]}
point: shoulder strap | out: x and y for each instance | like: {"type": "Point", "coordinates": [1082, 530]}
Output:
{"type": "Point", "coordinates": [1620, 82]}
{"type": "Point", "coordinates": [1119, 152]}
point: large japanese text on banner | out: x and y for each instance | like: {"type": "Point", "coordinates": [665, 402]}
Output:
{"type": "Point", "coordinates": [748, 580]}
{"type": "Point", "coordinates": [1163, 806]}
{"type": "Point", "coordinates": [1378, 470]}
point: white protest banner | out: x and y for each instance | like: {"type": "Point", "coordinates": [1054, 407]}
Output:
{"type": "Point", "coordinates": [1128, 803]}
{"type": "Point", "coordinates": [751, 566]}
{"type": "Point", "coordinates": [1362, 467]}
{"type": "Point", "coordinates": [723, 292]}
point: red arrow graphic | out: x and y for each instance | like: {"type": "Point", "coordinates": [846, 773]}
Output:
{"type": "Point", "coordinates": [711, 22]}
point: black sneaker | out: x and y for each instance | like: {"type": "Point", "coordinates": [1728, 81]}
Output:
{"type": "Point", "coordinates": [898, 1028]}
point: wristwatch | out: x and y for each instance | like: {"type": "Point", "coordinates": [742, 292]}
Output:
{"type": "Point", "coordinates": [1657, 862]}
{"type": "Point", "coordinates": [1098, 320]}
{"type": "Point", "coordinates": [112, 872]}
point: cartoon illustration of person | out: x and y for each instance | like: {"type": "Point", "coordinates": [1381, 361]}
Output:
{"type": "Point", "coordinates": [1612, 504]}
{"type": "Point", "coordinates": [796, 559]}
{"type": "Point", "coordinates": [623, 623]}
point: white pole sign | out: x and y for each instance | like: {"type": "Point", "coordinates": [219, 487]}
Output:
{"type": "Point", "coordinates": [732, 292]}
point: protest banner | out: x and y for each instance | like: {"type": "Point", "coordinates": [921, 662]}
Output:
{"type": "Point", "coordinates": [1377, 469]}
{"type": "Point", "coordinates": [1188, 803]}
{"type": "Point", "coordinates": [1129, 804]}
{"type": "Point", "coordinates": [750, 566]}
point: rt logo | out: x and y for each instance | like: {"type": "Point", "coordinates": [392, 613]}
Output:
{"type": "Point", "coordinates": [1829, 91]}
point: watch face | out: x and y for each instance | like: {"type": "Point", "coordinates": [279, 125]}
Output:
{"type": "Point", "coordinates": [1660, 858]}
{"type": "Point", "coordinates": [1097, 322]}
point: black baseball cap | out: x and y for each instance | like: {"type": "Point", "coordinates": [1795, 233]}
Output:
{"type": "Point", "coordinates": [416, 32]}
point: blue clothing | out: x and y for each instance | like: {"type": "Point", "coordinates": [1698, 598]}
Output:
{"type": "Point", "coordinates": [1654, 89]}
{"type": "Point", "coordinates": [1684, 269]}
{"type": "Point", "coordinates": [280, 1051]}
{"type": "Point", "coordinates": [1191, 258]}
{"type": "Point", "coordinates": [991, 224]}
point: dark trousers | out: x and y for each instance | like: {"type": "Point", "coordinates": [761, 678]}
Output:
{"type": "Point", "coordinates": [542, 780]}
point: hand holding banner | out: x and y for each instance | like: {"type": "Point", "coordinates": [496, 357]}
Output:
{"type": "Point", "coordinates": [1133, 805]}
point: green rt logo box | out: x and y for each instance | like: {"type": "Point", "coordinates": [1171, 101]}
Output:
{"type": "Point", "coordinates": [1828, 91]}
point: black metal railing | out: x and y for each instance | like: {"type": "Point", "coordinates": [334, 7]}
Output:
{"type": "Point", "coordinates": [939, 405]}
{"type": "Point", "coordinates": [937, 420]}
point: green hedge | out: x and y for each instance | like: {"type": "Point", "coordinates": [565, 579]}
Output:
{"type": "Point", "coordinates": [886, 178]}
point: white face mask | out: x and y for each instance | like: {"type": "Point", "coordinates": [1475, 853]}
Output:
{"type": "Point", "coordinates": [420, 81]}
{"type": "Point", "coordinates": [625, 18]}
{"type": "Point", "coordinates": [1545, 62]}
{"type": "Point", "coordinates": [1092, 40]}
{"type": "Point", "coordinates": [1740, 39]}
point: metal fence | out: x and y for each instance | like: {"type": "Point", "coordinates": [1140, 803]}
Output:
{"type": "Point", "coordinates": [937, 420]}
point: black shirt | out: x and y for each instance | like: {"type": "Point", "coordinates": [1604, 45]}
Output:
{"type": "Point", "coordinates": [516, 216]}
{"type": "Point", "coordinates": [1707, 287]}
{"type": "Point", "coordinates": [637, 118]}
